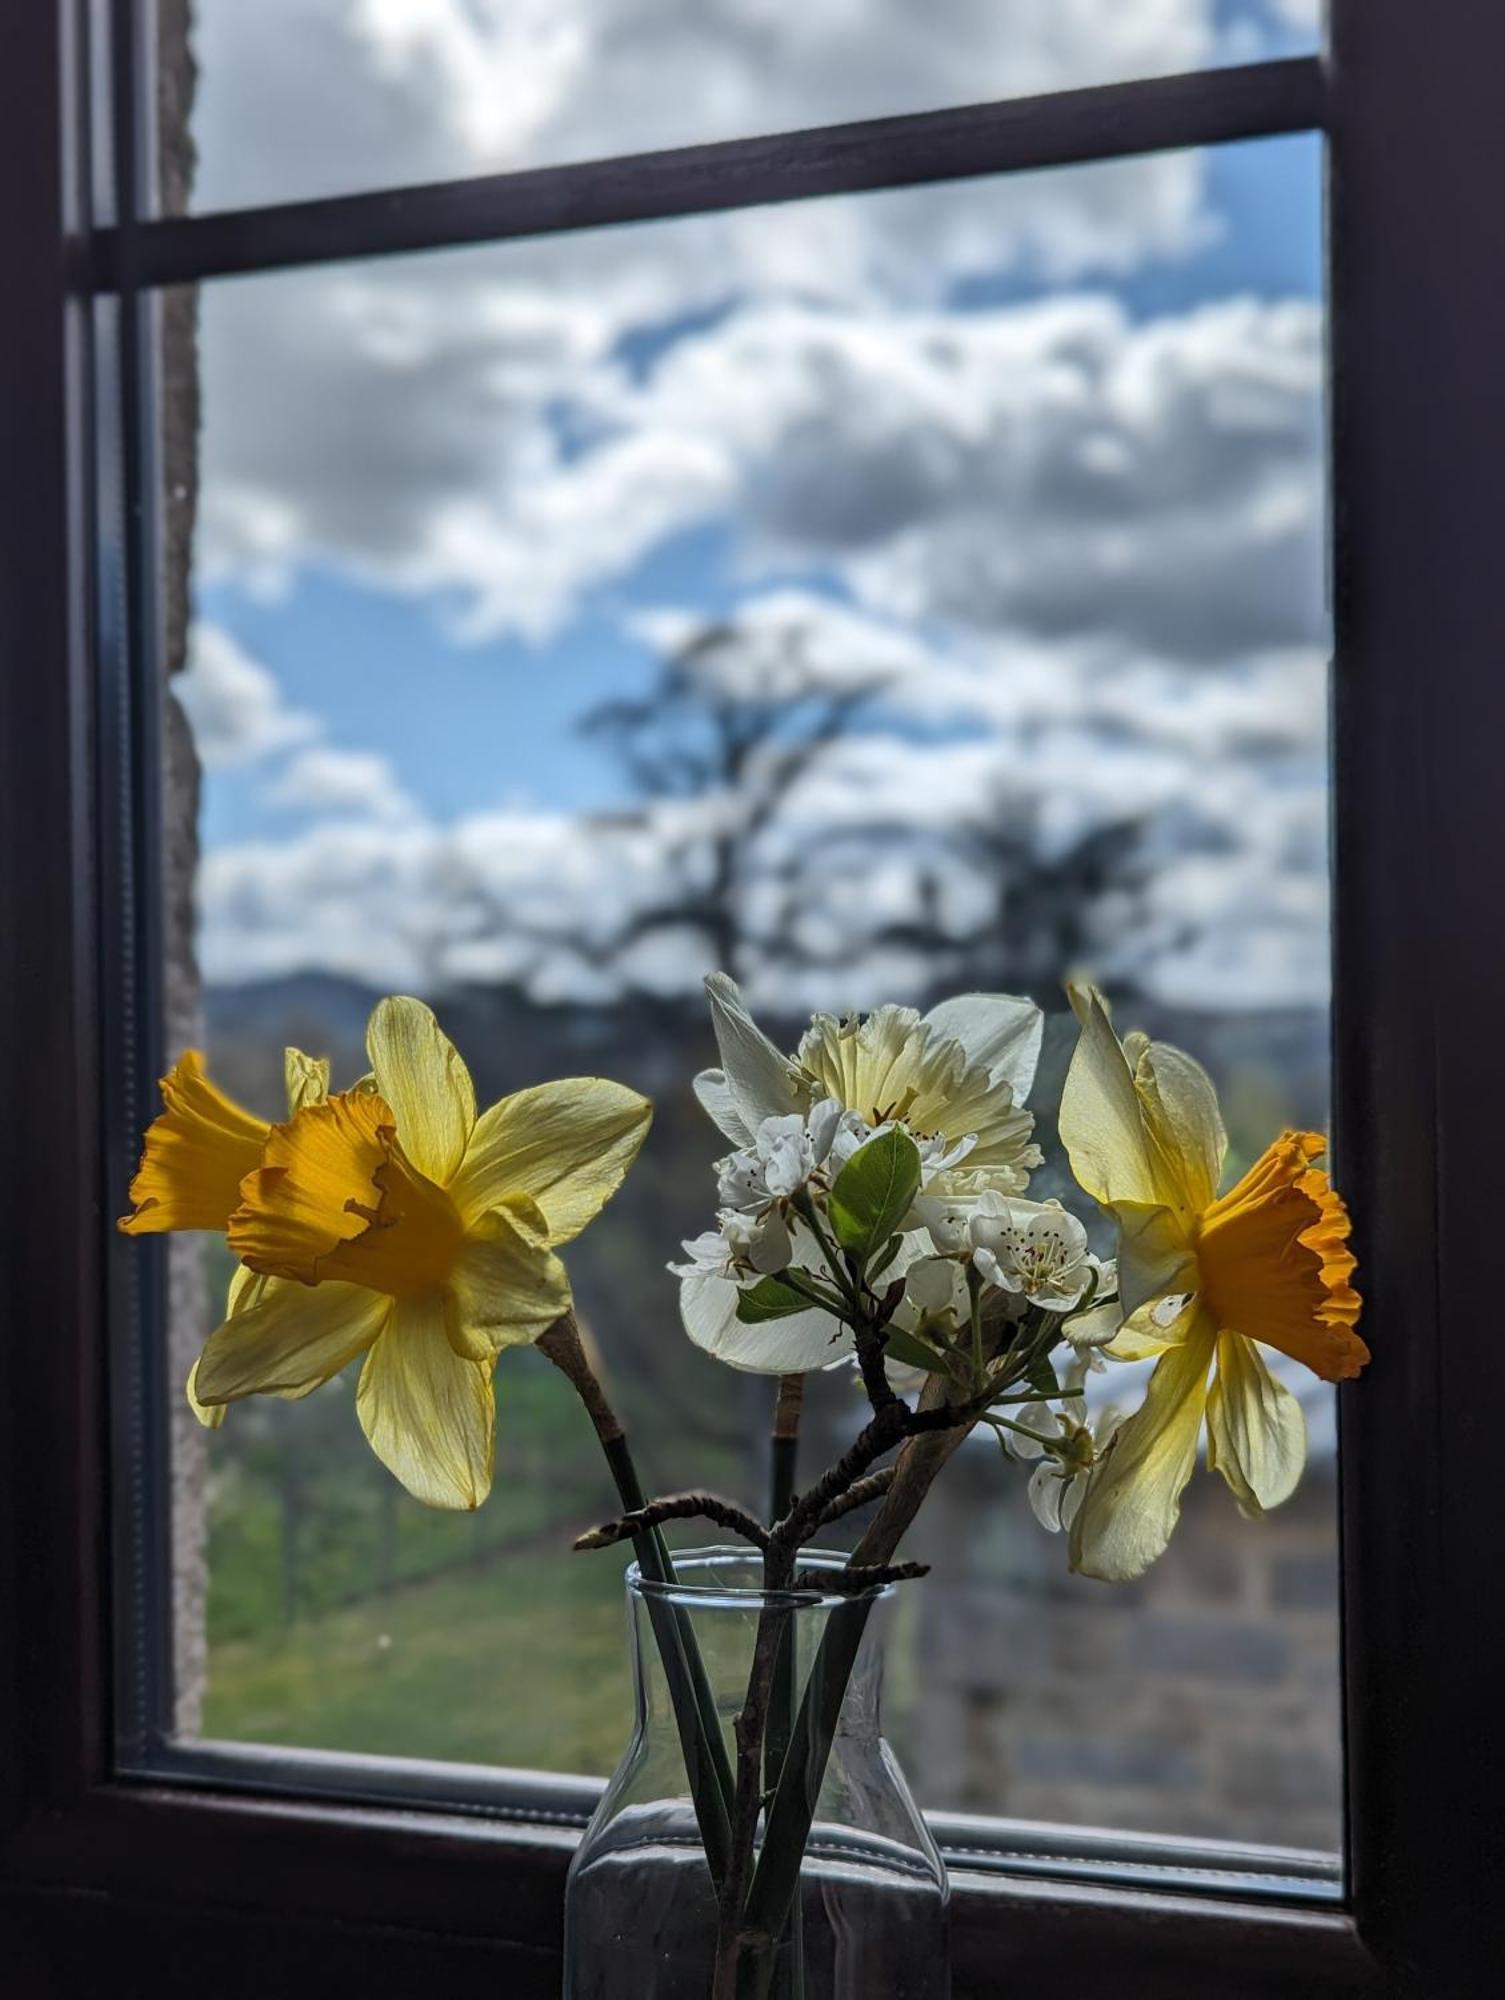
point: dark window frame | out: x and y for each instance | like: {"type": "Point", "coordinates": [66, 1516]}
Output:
{"type": "Point", "coordinates": [261, 1881]}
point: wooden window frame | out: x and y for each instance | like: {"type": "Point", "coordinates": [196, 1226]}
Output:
{"type": "Point", "coordinates": [233, 1881]}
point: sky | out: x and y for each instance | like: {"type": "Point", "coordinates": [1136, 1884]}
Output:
{"type": "Point", "coordinates": [1039, 460]}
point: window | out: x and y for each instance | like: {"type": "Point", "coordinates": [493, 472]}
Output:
{"type": "Point", "coordinates": [912, 631]}
{"type": "Point", "coordinates": [247, 570]}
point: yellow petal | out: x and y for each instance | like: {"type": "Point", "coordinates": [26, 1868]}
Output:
{"type": "Point", "coordinates": [211, 1416]}
{"type": "Point", "coordinates": [1165, 1321]}
{"type": "Point", "coordinates": [1101, 1119]}
{"type": "Point", "coordinates": [306, 1078]}
{"type": "Point", "coordinates": [420, 1073]}
{"type": "Point", "coordinates": [1256, 1432]}
{"type": "Point", "coordinates": [1155, 1257]}
{"type": "Point", "coordinates": [1133, 1497]}
{"type": "Point", "coordinates": [566, 1144]}
{"type": "Point", "coordinates": [294, 1340]}
{"type": "Point", "coordinates": [506, 1286]}
{"type": "Point", "coordinates": [1186, 1127]}
{"type": "Point", "coordinates": [1275, 1261]}
{"type": "Point", "coordinates": [247, 1288]}
{"type": "Point", "coordinates": [316, 1187]}
{"type": "Point", "coordinates": [429, 1415]}
{"type": "Point", "coordinates": [196, 1155]}
{"type": "Point", "coordinates": [1137, 1343]}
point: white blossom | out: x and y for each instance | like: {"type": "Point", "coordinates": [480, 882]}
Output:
{"type": "Point", "coordinates": [953, 1080]}
{"type": "Point", "coordinates": [1058, 1483]}
{"type": "Point", "coordinates": [1065, 1441]}
{"type": "Point", "coordinates": [934, 1285]}
{"type": "Point", "coordinates": [1036, 1249]}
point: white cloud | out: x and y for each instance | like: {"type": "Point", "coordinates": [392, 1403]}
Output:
{"type": "Point", "coordinates": [792, 642]}
{"type": "Point", "coordinates": [233, 704]}
{"type": "Point", "coordinates": [1039, 524]}
{"type": "Point", "coordinates": [1055, 468]}
{"type": "Point", "coordinates": [301, 97]}
{"type": "Point", "coordinates": [330, 781]}
{"type": "Point", "coordinates": [1052, 467]}
{"type": "Point", "coordinates": [409, 420]}
{"type": "Point", "coordinates": [890, 823]}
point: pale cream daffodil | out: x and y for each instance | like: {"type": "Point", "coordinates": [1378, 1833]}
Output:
{"type": "Point", "coordinates": [954, 1078]}
{"type": "Point", "coordinates": [962, 1071]}
{"type": "Point", "coordinates": [388, 1223]}
{"type": "Point", "coordinates": [1205, 1281]}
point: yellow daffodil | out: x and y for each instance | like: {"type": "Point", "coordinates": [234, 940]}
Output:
{"type": "Point", "coordinates": [306, 1080]}
{"type": "Point", "coordinates": [1205, 1280]}
{"type": "Point", "coordinates": [390, 1222]}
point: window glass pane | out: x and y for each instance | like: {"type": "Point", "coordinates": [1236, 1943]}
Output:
{"type": "Point", "coordinates": [297, 98]}
{"type": "Point", "coordinates": [930, 600]}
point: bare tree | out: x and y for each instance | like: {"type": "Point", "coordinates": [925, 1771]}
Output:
{"type": "Point", "coordinates": [730, 737]}
{"type": "Point", "coordinates": [1048, 907]}
{"type": "Point", "coordinates": [1054, 905]}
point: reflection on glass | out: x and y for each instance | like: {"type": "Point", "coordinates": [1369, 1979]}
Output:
{"type": "Point", "coordinates": [298, 98]}
{"type": "Point", "coordinates": [829, 596]}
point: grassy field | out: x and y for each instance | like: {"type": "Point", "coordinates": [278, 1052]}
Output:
{"type": "Point", "coordinates": [466, 1666]}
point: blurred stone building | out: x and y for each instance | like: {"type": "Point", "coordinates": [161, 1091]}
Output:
{"type": "Point", "coordinates": [1201, 1701]}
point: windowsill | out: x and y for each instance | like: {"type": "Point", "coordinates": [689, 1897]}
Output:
{"type": "Point", "coordinates": [495, 1884]}
{"type": "Point", "coordinates": [971, 1844]}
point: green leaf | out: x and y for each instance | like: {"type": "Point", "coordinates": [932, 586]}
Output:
{"type": "Point", "coordinates": [874, 1191]}
{"type": "Point", "coordinates": [1041, 1375]}
{"type": "Point", "coordinates": [769, 1298]}
{"type": "Point", "coordinates": [886, 1256]}
{"type": "Point", "coordinates": [904, 1347]}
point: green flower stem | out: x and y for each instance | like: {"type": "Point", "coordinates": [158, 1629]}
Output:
{"type": "Point", "coordinates": [816, 1293]}
{"type": "Point", "coordinates": [789, 1965]}
{"type": "Point", "coordinates": [787, 1825]}
{"type": "Point", "coordinates": [974, 1302]}
{"type": "Point", "coordinates": [706, 1763]}
{"type": "Point", "coordinates": [835, 1263]}
{"type": "Point", "coordinates": [1024, 1431]}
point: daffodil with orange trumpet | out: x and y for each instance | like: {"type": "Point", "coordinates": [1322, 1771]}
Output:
{"type": "Point", "coordinates": [390, 1224]}
{"type": "Point", "coordinates": [1206, 1282]}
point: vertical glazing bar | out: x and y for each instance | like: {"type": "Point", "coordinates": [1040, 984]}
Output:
{"type": "Point", "coordinates": [130, 876]}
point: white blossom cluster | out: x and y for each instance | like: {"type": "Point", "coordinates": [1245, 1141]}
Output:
{"type": "Point", "coordinates": [969, 1248]}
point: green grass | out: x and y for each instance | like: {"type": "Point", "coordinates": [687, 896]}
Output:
{"type": "Point", "coordinates": [519, 1660]}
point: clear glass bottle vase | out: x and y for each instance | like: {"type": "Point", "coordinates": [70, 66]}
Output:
{"type": "Point", "coordinates": [870, 1917]}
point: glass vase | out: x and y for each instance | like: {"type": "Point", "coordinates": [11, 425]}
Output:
{"type": "Point", "coordinates": [869, 1916]}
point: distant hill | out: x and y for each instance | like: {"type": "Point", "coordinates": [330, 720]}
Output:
{"type": "Point", "coordinates": [1271, 1064]}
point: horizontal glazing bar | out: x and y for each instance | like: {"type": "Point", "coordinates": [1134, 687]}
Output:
{"type": "Point", "coordinates": [1066, 128]}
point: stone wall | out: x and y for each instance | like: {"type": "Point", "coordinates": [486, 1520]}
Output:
{"type": "Point", "coordinates": [187, 1304]}
{"type": "Point", "coordinates": [1203, 1700]}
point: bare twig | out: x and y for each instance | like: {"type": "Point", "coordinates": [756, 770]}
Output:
{"type": "Point", "coordinates": [860, 1494]}
{"type": "Point", "coordinates": [677, 1507]}
{"type": "Point", "coordinates": [850, 1582]}
{"type": "Point", "coordinates": [894, 1422]}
